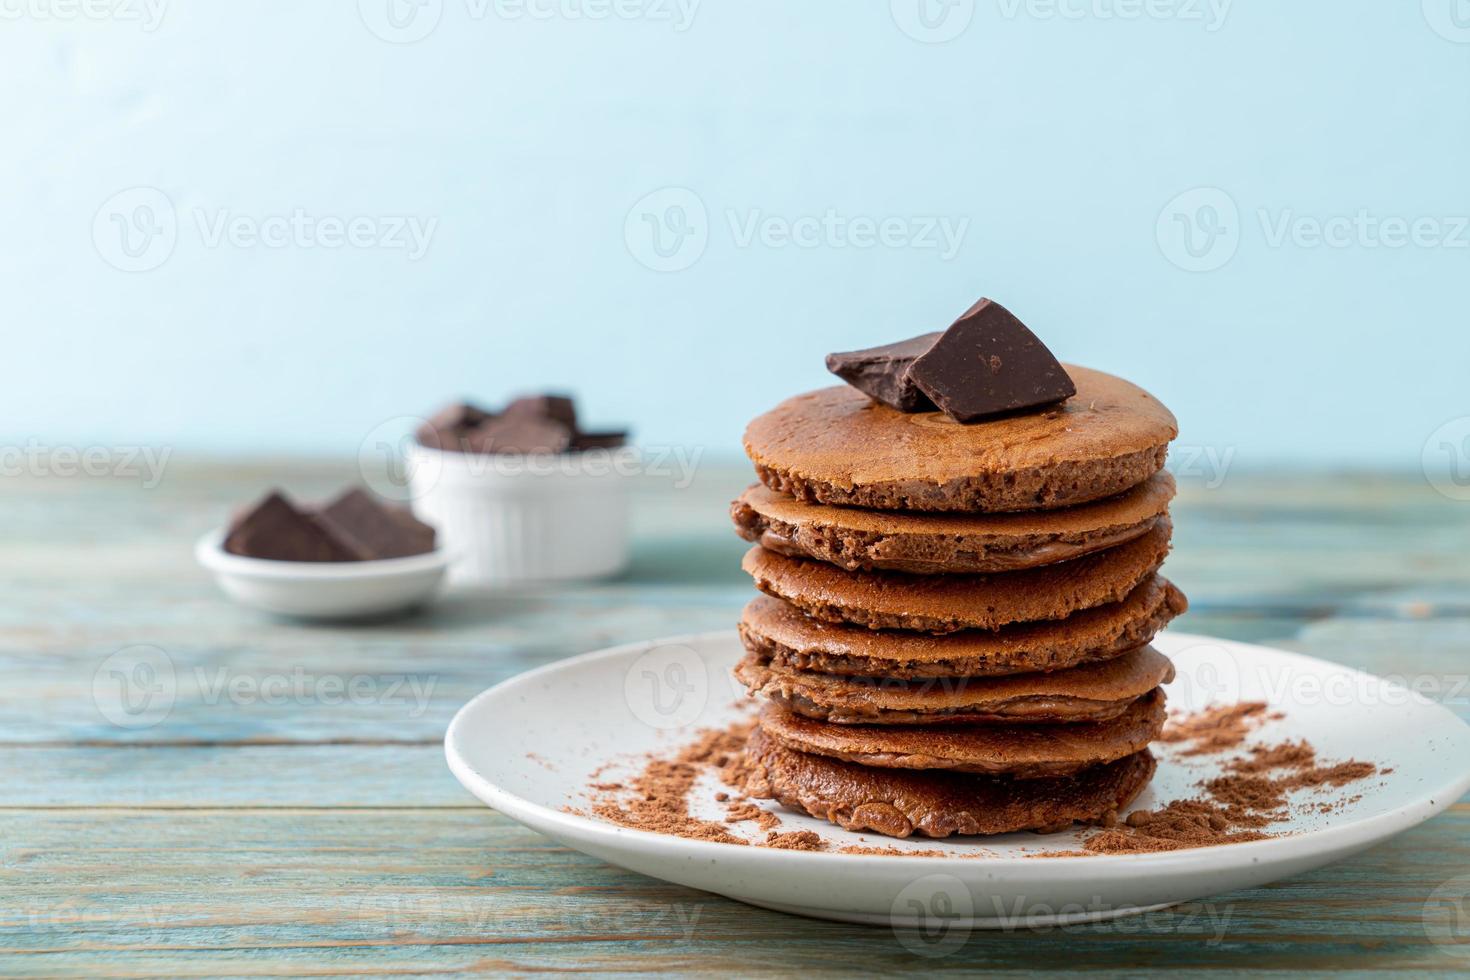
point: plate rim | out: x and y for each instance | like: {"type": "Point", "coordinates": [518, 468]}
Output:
{"type": "Point", "coordinates": [1328, 840]}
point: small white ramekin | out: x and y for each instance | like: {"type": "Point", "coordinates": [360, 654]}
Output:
{"type": "Point", "coordinates": [513, 519]}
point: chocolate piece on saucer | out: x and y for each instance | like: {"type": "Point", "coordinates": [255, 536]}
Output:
{"type": "Point", "coordinates": [557, 408]}
{"type": "Point", "coordinates": [600, 440]}
{"type": "Point", "coordinates": [376, 529]}
{"type": "Point", "coordinates": [518, 434]}
{"type": "Point", "coordinates": [988, 363]}
{"type": "Point", "coordinates": [448, 426]}
{"type": "Point", "coordinates": [277, 530]}
{"type": "Point", "coordinates": [881, 373]}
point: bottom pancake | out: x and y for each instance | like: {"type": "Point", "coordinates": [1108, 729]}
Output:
{"type": "Point", "coordinates": [900, 802]}
{"type": "Point", "coordinates": [1019, 751]}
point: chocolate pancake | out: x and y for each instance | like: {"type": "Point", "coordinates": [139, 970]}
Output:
{"type": "Point", "coordinates": [1021, 751]}
{"type": "Point", "coordinates": [781, 635]}
{"type": "Point", "coordinates": [933, 543]}
{"type": "Point", "coordinates": [1094, 692]}
{"type": "Point", "coordinates": [901, 802]}
{"type": "Point", "coordinates": [945, 603]}
{"type": "Point", "coordinates": [838, 446]}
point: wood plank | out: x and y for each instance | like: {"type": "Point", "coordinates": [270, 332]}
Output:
{"type": "Point", "coordinates": [405, 891]}
{"type": "Point", "coordinates": [250, 835]}
{"type": "Point", "coordinates": [171, 776]}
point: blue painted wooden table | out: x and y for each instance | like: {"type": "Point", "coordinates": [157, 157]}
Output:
{"type": "Point", "coordinates": [290, 812]}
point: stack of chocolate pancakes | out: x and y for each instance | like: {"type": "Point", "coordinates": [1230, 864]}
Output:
{"type": "Point", "coordinates": [954, 626]}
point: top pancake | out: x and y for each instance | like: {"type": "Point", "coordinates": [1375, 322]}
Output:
{"type": "Point", "coordinates": [837, 446]}
{"type": "Point", "coordinates": [863, 540]}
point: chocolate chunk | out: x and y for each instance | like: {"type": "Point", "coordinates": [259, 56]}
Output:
{"type": "Point", "coordinates": [276, 529]}
{"type": "Point", "coordinates": [881, 373]}
{"type": "Point", "coordinates": [557, 408]}
{"type": "Point", "coordinates": [988, 363]}
{"type": "Point", "coordinates": [376, 530]}
{"type": "Point", "coordinates": [518, 434]}
{"type": "Point", "coordinates": [600, 440]}
{"type": "Point", "coordinates": [448, 426]}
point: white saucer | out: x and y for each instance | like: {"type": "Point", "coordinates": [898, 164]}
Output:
{"type": "Point", "coordinates": [323, 590]}
{"type": "Point", "coordinates": [529, 747]}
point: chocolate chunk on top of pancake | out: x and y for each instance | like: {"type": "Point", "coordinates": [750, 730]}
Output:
{"type": "Point", "coordinates": [1021, 751]}
{"type": "Point", "coordinates": [838, 446]}
{"type": "Point", "coordinates": [902, 802]}
{"type": "Point", "coordinates": [931, 543]}
{"type": "Point", "coordinates": [946, 603]}
{"type": "Point", "coordinates": [988, 363]}
{"type": "Point", "coordinates": [1093, 692]}
{"type": "Point", "coordinates": [882, 373]}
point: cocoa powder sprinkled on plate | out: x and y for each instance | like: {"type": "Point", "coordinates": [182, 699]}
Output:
{"type": "Point", "coordinates": [657, 798]}
{"type": "Point", "coordinates": [1217, 729]}
{"type": "Point", "coordinates": [894, 851]}
{"type": "Point", "coordinates": [746, 810]}
{"type": "Point", "coordinates": [795, 840]}
{"type": "Point", "coordinates": [1236, 806]}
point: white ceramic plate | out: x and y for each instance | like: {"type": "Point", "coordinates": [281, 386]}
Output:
{"type": "Point", "coordinates": [529, 747]}
{"type": "Point", "coordinates": [323, 590]}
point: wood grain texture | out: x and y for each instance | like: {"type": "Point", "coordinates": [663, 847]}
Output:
{"type": "Point", "coordinates": [266, 826]}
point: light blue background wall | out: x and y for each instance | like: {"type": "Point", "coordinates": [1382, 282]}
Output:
{"type": "Point", "coordinates": [1058, 139]}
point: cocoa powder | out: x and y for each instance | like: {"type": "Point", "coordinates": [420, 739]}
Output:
{"type": "Point", "coordinates": [1234, 807]}
{"type": "Point", "coordinates": [1249, 796]}
{"type": "Point", "coordinates": [657, 798]}
{"type": "Point", "coordinates": [1217, 729]}
{"type": "Point", "coordinates": [795, 840]}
